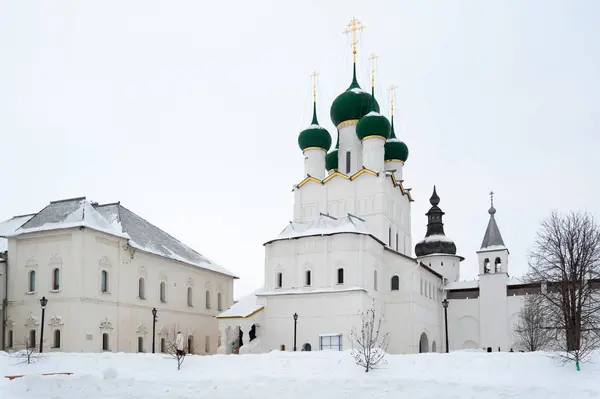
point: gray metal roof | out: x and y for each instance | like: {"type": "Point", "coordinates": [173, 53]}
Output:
{"type": "Point", "coordinates": [492, 237]}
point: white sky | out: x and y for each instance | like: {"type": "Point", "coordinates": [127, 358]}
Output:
{"type": "Point", "coordinates": [188, 112]}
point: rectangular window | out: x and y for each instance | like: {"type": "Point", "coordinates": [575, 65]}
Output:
{"type": "Point", "coordinates": [396, 241]}
{"type": "Point", "coordinates": [390, 237]}
{"type": "Point", "coordinates": [140, 345]}
{"type": "Point", "coordinates": [207, 344]}
{"type": "Point", "coordinates": [330, 342]}
{"type": "Point", "coordinates": [348, 159]}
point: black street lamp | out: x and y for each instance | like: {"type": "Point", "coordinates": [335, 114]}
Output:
{"type": "Point", "coordinates": [295, 324]}
{"type": "Point", "coordinates": [43, 302]}
{"type": "Point", "coordinates": [154, 311]}
{"type": "Point", "coordinates": [445, 305]}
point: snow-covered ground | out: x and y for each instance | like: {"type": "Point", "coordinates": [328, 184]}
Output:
{"type": "Point", "coordinates": [303, 375]}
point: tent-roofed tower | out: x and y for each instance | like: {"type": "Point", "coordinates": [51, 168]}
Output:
{"type": "Point", "coordinates": [493, 254]}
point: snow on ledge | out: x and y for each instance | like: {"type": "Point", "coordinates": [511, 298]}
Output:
{"type": "Point", "coordinates": [436, 238]}
{"type": "Point", "coordinates": [323, 225]}
{"type": "Point", "coordinates": [493, 248]}
{"type": "Point", "coordinates": [460, 285]}
{"type": "Point", "coordinates": [308, 290]}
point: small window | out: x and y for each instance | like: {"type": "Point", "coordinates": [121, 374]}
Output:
{"type": "Point", "coordinates": [279, 282]}
{"type": "Point", "coordinates": [207, 344]}
{"type": "Point", "coordinates": [333, 342]}
{"type": "Point", "coordinates": [141, 288]}
{"type": "Point", "coordinates": [207, 299]}
{"type": "Point", "coordinates": [9, 343]}
{"type": "Point", "coordinates": [348, 161]}
{"type": "Point", "coordinates": [32, 281]}
{"type": "Point", "coordinates": [163, 345]}
{"type": "Point", "coordinates": [396, 241]}
{"type": "Point", "coordinates": [56, 340]}
{"type": "Point", "coordinates": [140, 347]}
{"type": "Point", "coordinates": [190, 345]}
{"type": "Point", "coordinates": [56, 279]}
{"type": "Point", "coordinates": [390, 236]}
{"type": "Point", "coordinates": [189, 296]}
{"type": "Point", "coordinates": [105, 342]}
{"type": "Point", "coordinates": [220, 301]}
{"type": "Point", "coordinates": [395, 283]}
{"type": "Point", "coordinates": [375, 285]}
{"type": "Point", "coordinates": [163, 292]}
{"type": "Point", "coordinates": [31, 339]}
{"type": "Point", "coordinates": [421, 285]}
{"type": "Point", "coordinates": [104, 281]}
{"type": "Point", "coordinates": [307, 279]}
{"type": "Point", "coordinates": [486, 266]}
{"type": "Point", "coordinates": [340, 276]}
{"type": "Point", "coordinates": [497, 266]}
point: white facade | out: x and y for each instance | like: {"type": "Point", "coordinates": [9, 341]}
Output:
{"type": "Point", "coordinates": [101, 286]}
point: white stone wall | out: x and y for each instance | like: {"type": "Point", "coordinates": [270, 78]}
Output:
{"type": "Point", "coordinates": [82, 312]}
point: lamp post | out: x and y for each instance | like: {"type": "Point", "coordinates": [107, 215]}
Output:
{"type": "Point", "coordinates": [43, 302]}
{"type": "Point", "coordinates": [154, 311]}
{"type": "Point", "coordinates": [295, 324]}
{"type": "Point", "coordinates": [445, 305]}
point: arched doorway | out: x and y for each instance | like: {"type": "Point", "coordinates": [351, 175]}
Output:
{"type": "Point", "coordinates": [306, 347]}
{"type": "Point", "coordinates": [433, 347]}
{"type": "Point", "coordinates": [423, 343]}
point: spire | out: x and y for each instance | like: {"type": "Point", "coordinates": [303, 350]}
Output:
{"type": "Point", "coordinates": [373, 57]}
{"type": "Point", "coordinates": [392, 91]}
{"type": "Point", "coordinates": [492, 237]}
{"type": "Point", "coordinates": [435, 226]}
{"type": "Point", "coordinates": [435, 241]}
{"type": "Point", "coordinates": [314, 82]}
{"type": "Point", "coordinates": [353, 28]}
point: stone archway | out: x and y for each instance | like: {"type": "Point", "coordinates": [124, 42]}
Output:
{"type": "Point", "coordinates": [423, 343]}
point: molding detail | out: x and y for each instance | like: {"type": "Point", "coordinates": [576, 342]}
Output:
{"type": "Point", "coordinates": [56, 322]}
{"type": "Point", "coordinates": [55, 260]}
{"type": "Point", "coordinates": [190, 282]}
{"type": "Point", "coordinates": [106, 325]}
{"type": "Point", "coordinates": [31, 262]}
{"type": "Point", "coordinates": [162, 276]}
{"type": "Point", "coordinates": [142, 271]}
{"type": "Point", "coordinates": [32, 321]}
{"type": "Point", "coordinates": [141, 329]}
{"type": "Point", "coordinates": [10, 323]}
{"type": "Point", "coordinates": [105, 263]}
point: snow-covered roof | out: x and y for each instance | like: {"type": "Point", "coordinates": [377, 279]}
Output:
{"type": "Point", "coordinates": [307, 290]}
{"type": "Point", "coordinates": [9, 226]}
{"type": "Point", "coordinates": [64, 214]}
{"type": "Point", "coordinates": [144, 236]}
{"type": "Point", "coordinates": [436, 238]}
{"type": "Point", "coordinates": [492, 248]}
{"type": "Point", "coordinates": [461, 285]}
{"type": "Point", "coordinates": [245, 307]}
{"type": "Point", "coordinates": [112, 219]}
{"type": "Point", "coordinates": [323, 225]}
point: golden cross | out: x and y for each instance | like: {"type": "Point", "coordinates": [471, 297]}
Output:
{"type": "Point", "coordinates": [392, 90]}
{"type": "Point", "coordinates": [373, 57]}
{"type": "Point", "coordinates": [354, 27]}
{"type": "Point", "coordinates": [314, 82]}
{"type": "Point", "coordinates": [492, 197]}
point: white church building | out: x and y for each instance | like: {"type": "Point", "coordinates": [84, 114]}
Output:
{"type": "Point", "coordinates": [349, 248]}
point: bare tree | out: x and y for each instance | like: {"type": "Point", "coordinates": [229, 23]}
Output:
{"type": "Point", "coordinates": [369, 345]}
{"type": "Point", "coordinates": [27, 354]}
{"type": "Point", "coordinates": [177, 345]}
{"type": "Point", "coordinates": [566, 259]}
{"type": "Point", "coordinates": [531, 331]}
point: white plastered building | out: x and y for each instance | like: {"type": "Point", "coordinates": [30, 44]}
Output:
{"type": "Point", "coordinates": [103, 269]}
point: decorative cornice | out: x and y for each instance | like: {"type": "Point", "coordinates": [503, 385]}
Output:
{"type": "Point", "coordinates": [334, 174]}
{"type": "Point", "coordinates": [374, 136]}
{"type": "Point", "coordinates": [55, 321]}
{"type": "Point", "coordinates": [106, 325]}
{"type": "Point", "coordinates": [363, 170]}
{"type": "Point", "coordinates": [307, 179]}
{"type": "Point", "coordinates": [32, 321]}
{"type": "Point", "coordinates": [346, 123]}
{"type": "Point", "coordinates": [141, 329]}
{"type": "Point", "coordinates": [314, 148]}
{"type": "Point", "coordinates": [9, 323]}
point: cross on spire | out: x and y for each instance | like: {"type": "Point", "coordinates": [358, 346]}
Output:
{"type": "Point", "coordinates": [492, 198]}
{"type": "Point", "coordinates": [392, 96]}
{"type": "Point", "coordinates": [373, 58]}
{"type": "Point", "coordinates": [354, 27]}
{"type": "Point", "coordinates": [314, 85]}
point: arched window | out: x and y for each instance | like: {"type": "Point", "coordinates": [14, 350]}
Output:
{"type": "Point", "coordinates": [190, 345]}
{"type": "Point", "coordinates": [141, 288]}
{"type": "Point", "coordinates": [140, 344]}
{"type": "Point", "coordinates": [189, 296]}
{"type": "Point", "coordinates": [31, 339]}
{"type": "Point", "coordinates": [163, 345]}
{"type": "Point", "coordinates": [32, 281]}
{"type": "Point", "coordinates": [163, 292]}
{"type": "Point", "coordinates": [56, 279]}
{"type": "Point", "coordinates": [395, 283]}
{"type": "Point", "coordinates": [486, 266]}
{"type": "Point", "coordinates": [498, 265]}
{"type": "Point", "coordinates": [375, 280]}
{"type": "Point", "coordinates": [340, 276]}
{"type": "Point", "coordinates": [56, 341]}
{"type": "Point", "coordinates": [220, 301]}
{"type": "Point", "coordinates": [207, 299]}
{"type": "Point", "coordinates": [307, 278]}
{"type": "Point", "coordinates": [105, 342]}
{"type": "Point", "coordinates": [348, 159]}
{"type": "Point", "coordinates": [9, 343]}
{"type": "Point", "coordinates": [433, 347]}
{"type": "Point", "coordinates": [279, 282]}
{"type": "Point", "coordinates": [104, 281]}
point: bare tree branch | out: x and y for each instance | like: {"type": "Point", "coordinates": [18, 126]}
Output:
{"type": "Point", "coordinates": [369, 345]}
{"type": "Point", "coordinates": [176, 345]}
{"type": "Point", "coordinates": [530, 332]}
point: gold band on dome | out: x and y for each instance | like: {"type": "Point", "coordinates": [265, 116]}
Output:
{"type": "Point", "coordinates": [314, 148]}
{"type": "Point", "coordinates": [373, 137]}
{"type": "Point", "coordinates": [346, 123]}
{"type": "Point", "coordinates": [394, 160]}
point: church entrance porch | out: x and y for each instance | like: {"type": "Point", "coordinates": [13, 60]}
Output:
{"type": "Point", "coordinates": [239, 339]}
{"type": "Point", "coordinates": [423, 343]}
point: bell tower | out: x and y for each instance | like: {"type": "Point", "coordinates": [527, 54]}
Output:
{"type": "Point", "coordinates": [493, 254]}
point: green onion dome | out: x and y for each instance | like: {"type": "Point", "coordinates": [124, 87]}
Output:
{"type": "Point", "coordinates": [314, 135]}
{"type": "Point", "coordinates": [352, 104]}
{"type": "Point", "coordinates": [394, 148]}
{"type": "Point", "coordinates": [331, 159]}
{"type": "Point", "coordinates": [373, 124]}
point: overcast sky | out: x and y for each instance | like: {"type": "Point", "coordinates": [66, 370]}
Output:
{"type": "Point", "coordinates": [188, 112]}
